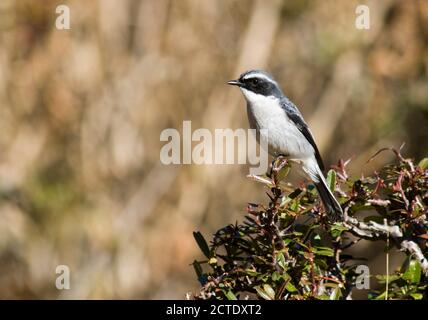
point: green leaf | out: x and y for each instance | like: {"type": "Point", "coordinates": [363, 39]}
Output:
{"type": "Point", "coordinates": [290, 287]}
{"type": "Point", "coordinates": [269, 291]}
{"type": "Point", "coordinates": [391, 278]}
{"type": "Point", "coordinates": [198, 268]}
{"type": "Point", "coordinates": [382, 296]}
{"type": "Point", "coordinates": [251, 273]}
{"type": "Point", "coordinates": [331, 179]}
{"type": "Point", "coordinates": [262, 293]}
{"type": "Point", "coordinates": [417, 296]}
{"type": "Point", "coordinates": [335, 294]}
{"type": "Point", "coordinates": [281, 261]}
{"type": "Point", "coordinates": [423, 163]}
{"type": "Point", "coordinates": [323, 251]}
{"type": "Point", "coordinates": [294, 205]}
{"type": "Point", "coordinates": [276, 276]}
{"type": "Point", "coordinates": [229, 295]}
{"type": "Point", "coordinates": [297, 233]}
{"type": "Point", "coordinates": [290, 197]}
{"type": "Point", "coordinates": [287, 241]}
{"type": "Point", "coordinates": [295, 193]}
{"type": "Point", "coordinates": [321, 263]}
{"type": "Point", "coordinates": [202, 243]}
{"type": "Point", "coordinates": [283, 173]}
{"type": "Point", "coordinates": [337, 229]}
{"type": "Point", "coordinates": [413, 272]}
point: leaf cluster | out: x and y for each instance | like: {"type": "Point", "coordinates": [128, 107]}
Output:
{"type": "Point", "coordinates": [289, 249]}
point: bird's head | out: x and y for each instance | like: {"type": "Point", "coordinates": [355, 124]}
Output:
{"type": "Point", "coordinates": [257, 82]}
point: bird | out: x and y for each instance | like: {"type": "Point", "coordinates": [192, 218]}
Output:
{"type": "Point", "coordinates": [277, 119]}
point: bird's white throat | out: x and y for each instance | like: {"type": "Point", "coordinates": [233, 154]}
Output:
{"type": "Point", "coordinates": [263, 107]}
{"type": "Point", "coordinates": [259, 99]}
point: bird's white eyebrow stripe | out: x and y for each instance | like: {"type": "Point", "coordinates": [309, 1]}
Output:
{"type": "Point", "coordinates": [257, 75]}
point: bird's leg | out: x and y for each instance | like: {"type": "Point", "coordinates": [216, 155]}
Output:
{"type": "Point", "coordinates": [269, 173]}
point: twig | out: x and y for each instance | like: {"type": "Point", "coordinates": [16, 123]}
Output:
{"type": "Point", "coordinates": [414, 249]}
{"type": "Point", "coordinates": [387, 263]}
{"type": "Point", "coordinates": [371, 229]}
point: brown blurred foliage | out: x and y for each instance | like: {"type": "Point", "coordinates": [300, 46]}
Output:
{"type": "Point", "coordinates": [81, 112]}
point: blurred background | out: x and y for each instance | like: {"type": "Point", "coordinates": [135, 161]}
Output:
{"type": "Point", "coordinates": [81, 112]}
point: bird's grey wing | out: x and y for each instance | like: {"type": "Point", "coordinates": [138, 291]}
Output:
{"type": "Point", "coordinates": [294, 114]}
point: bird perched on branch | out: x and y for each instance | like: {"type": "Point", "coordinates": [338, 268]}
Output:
{"type": "Point", "coordinates": [285, 130]}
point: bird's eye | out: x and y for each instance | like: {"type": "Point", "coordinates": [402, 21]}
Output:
{"type": "Point", "coordinates": [254, 81]}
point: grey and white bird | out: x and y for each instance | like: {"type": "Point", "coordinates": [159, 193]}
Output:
{"type": "Point", "coordinates": [287, 132]}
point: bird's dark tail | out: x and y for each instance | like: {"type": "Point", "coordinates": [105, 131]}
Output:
{"type": "Point", "coordinates": [332, 206]}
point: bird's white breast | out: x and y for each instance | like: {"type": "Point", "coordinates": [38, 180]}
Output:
{"type": "Point", "coordinates": [283, 135]}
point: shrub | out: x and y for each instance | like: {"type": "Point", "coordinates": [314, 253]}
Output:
{"type": "Point", "coordinates": [289, 249]}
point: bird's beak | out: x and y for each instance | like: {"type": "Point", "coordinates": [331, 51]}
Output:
{"type": "Point", "coordinates": [234, 83]}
